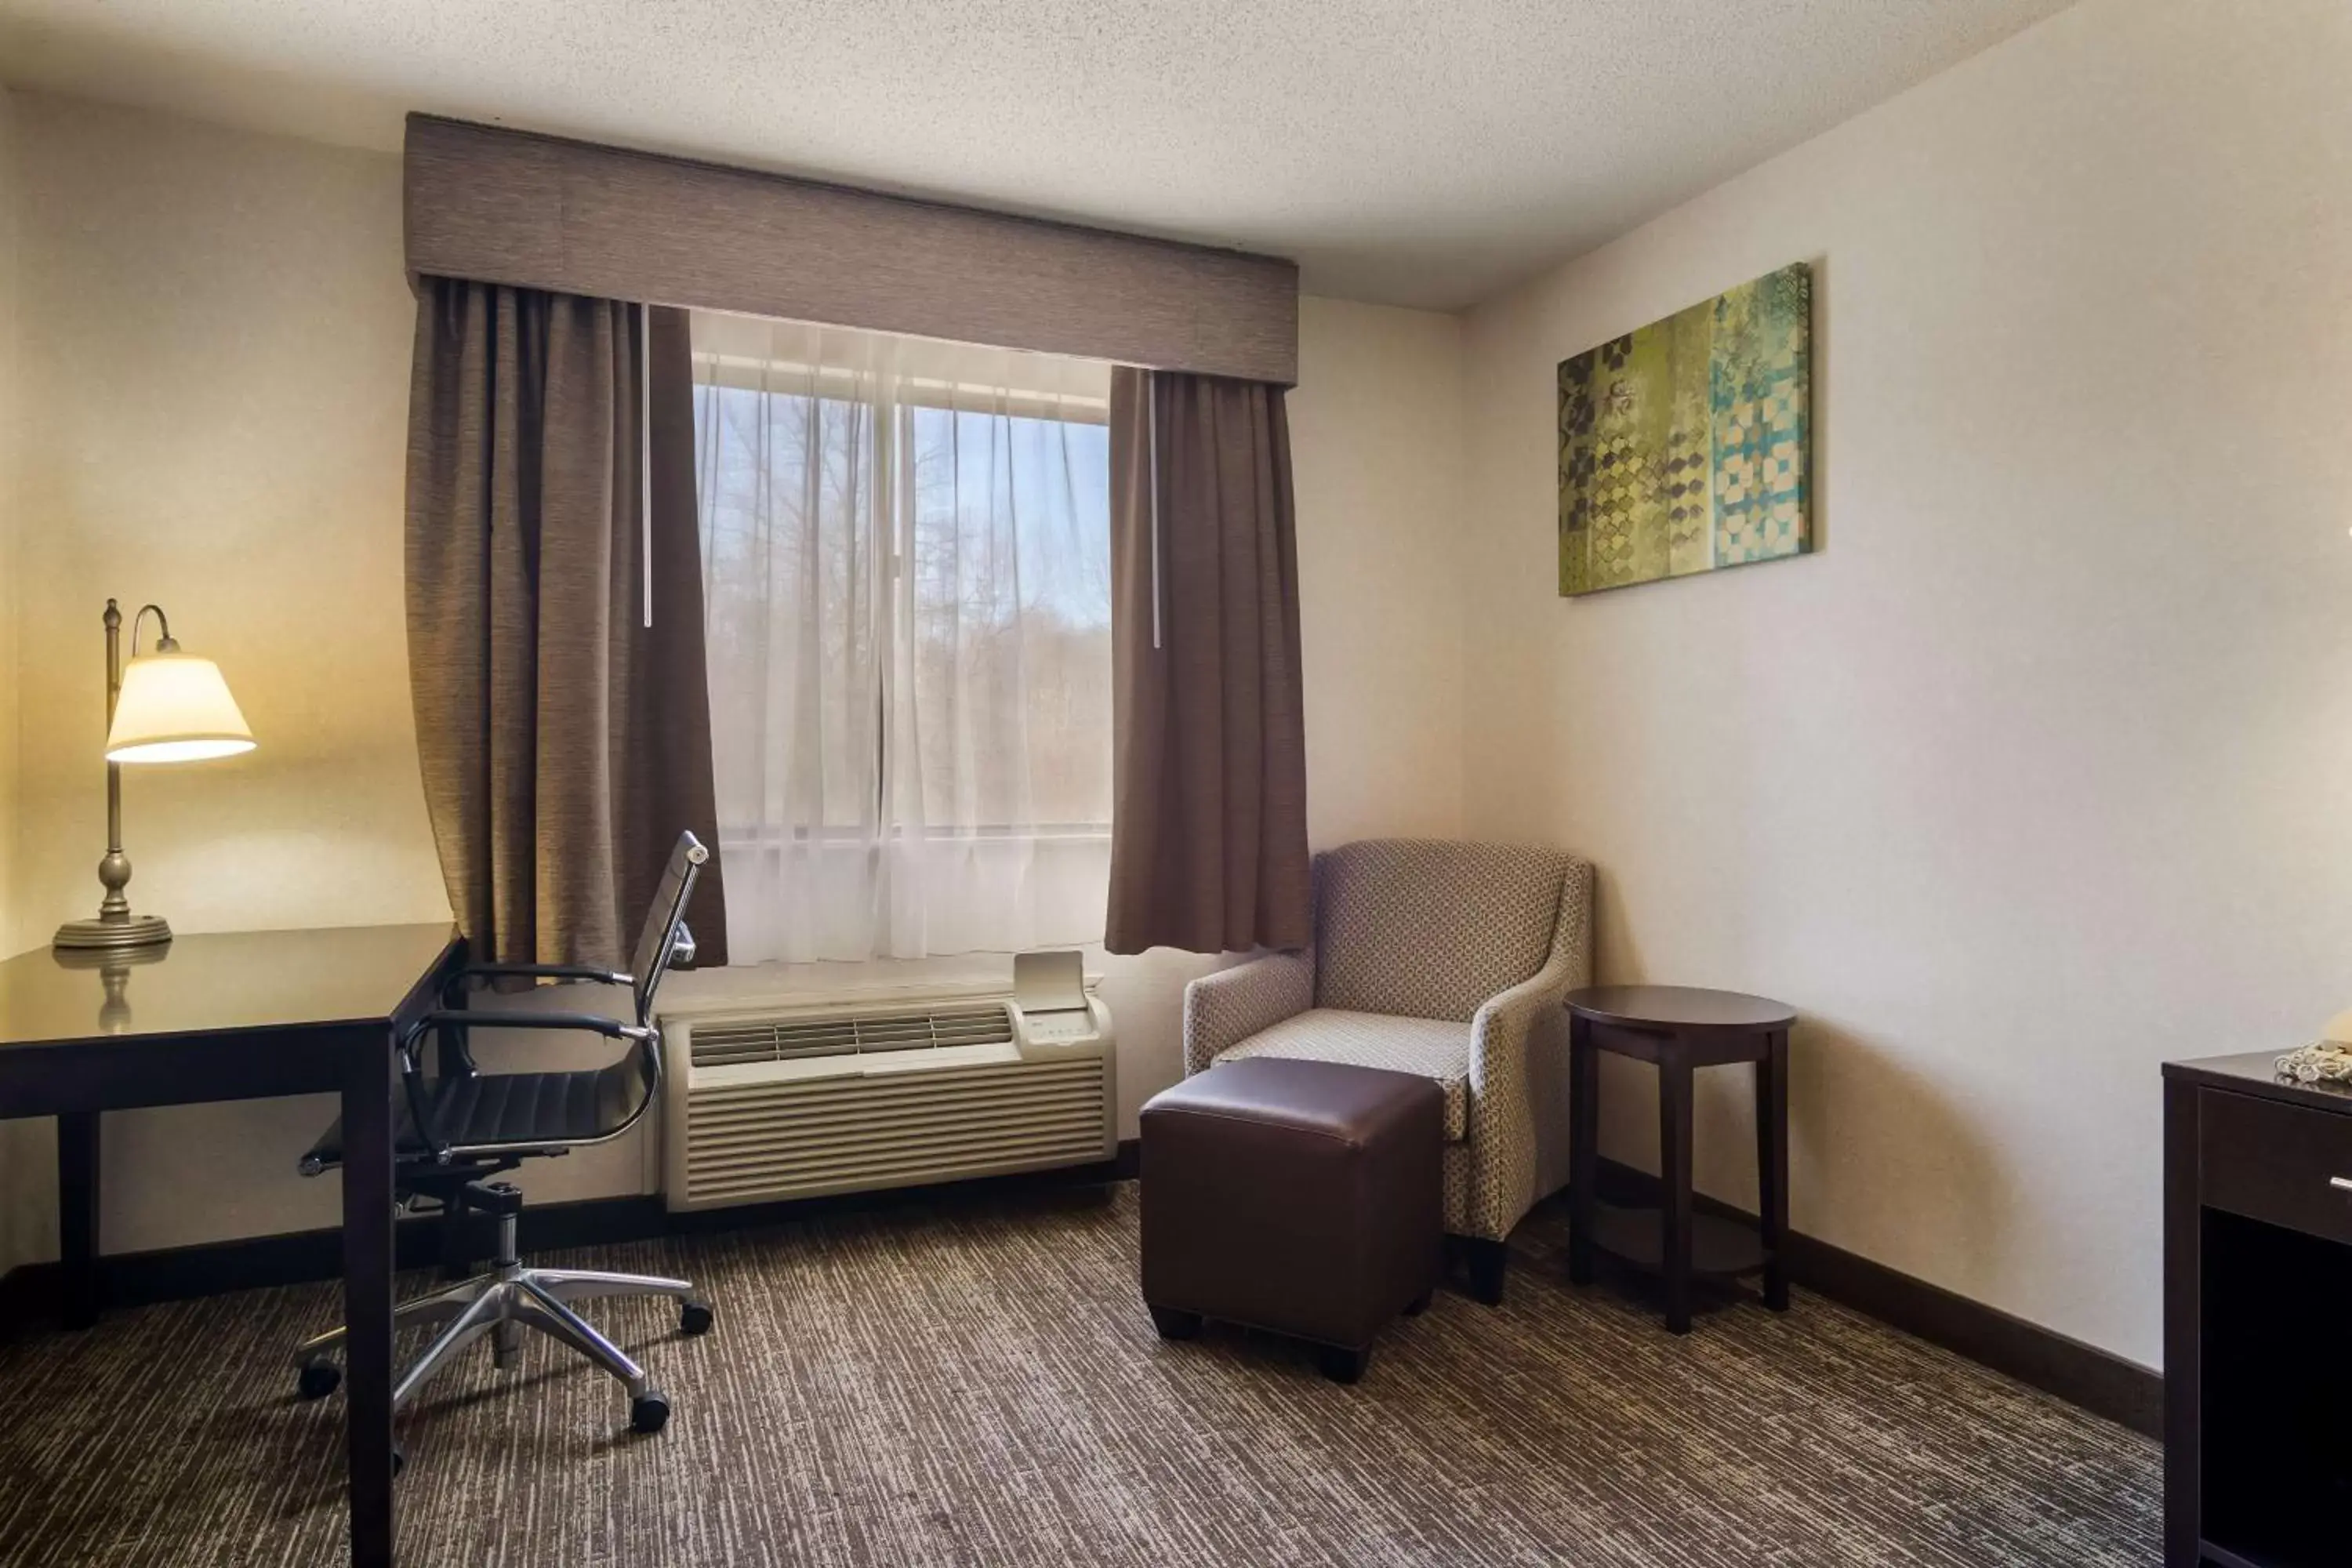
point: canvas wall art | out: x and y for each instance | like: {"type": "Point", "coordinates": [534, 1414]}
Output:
{"type": "Point", "coordinates": [1686, 446]}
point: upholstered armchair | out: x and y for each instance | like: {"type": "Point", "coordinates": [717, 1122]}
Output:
{"type": "Point", "coordinates": [1449, 961]}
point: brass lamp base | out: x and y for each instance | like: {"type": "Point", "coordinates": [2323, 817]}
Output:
{"type": "Point", "coordinates": [113, 935]}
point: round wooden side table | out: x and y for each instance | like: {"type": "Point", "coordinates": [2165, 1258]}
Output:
{"type": "Point", "coordinates": [1679, 1029]}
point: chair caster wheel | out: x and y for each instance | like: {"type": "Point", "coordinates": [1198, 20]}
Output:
{"type": "Point", "coordinates": [648, 1412]}
{"type": "Point", "coordinates": [694, 1318]}
{"type": "Point", "coordinates": [319, 1379]}
{"type": "Point", "coordinates": [399, 1460]}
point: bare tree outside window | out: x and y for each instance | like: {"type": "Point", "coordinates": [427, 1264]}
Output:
{"type": "Point", "coordinates": [907, 563]}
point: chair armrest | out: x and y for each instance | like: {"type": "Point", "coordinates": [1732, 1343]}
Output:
{"type": "Point", "coordinates": [1504, 1019]}
{"type": "Point", "coordinates": [1501, 1023]}
{"type": "Point", "coordinates": [1223, 1009]}
{"type": "Point", "coordinates": [467, 1017]}
{"type": "Point", "coordinates": [1504, 1033]}
{"type": "Point", "coordinates": [595, 971]}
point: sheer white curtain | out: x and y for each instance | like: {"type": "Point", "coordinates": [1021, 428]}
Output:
{"type": "Point", "coordinates": [907, 574]}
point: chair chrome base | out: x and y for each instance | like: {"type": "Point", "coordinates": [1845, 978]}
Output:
{"type": "Point", "coordinates": [503, 1302]}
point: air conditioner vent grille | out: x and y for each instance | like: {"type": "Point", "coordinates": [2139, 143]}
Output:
{"type": "Point", "coordinates": [787, 1039]}
{"type": "Point", "coordinates": [796, 1096]}
{"type": "Point", "coordinates": [753, 1141]}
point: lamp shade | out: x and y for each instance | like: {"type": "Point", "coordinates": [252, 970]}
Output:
{"type": "Point", "coordinates": [175, 707]}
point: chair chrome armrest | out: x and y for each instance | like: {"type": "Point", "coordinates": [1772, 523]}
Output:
{"type": "Point", "coordinates": [467, 1017]}
{"type": "Point", "coordinates": [595, 971]}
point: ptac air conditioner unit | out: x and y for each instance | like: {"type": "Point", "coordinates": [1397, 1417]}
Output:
{"type": "Point", "coordinates": [802, 1097]}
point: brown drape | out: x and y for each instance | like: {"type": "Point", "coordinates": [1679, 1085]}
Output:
{"type": "Point", "coordinates": [1209, 752]}
{"type": "Point", "coordinates": [563, 743]}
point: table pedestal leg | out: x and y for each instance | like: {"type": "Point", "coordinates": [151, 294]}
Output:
{"type": "Point", "coordinates": [77, 1230]}
{"type": "Point", "coordinates": [1772, 1165]}
{"type": "Point", "coordinates": [367, 1295]}
{"type": "Point", "coordinates": [1584, 1146]}
{"type": "Point", "coordinates": [1675, 1094]}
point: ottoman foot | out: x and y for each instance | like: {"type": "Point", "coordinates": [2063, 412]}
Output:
{"type": "Point", "coordinates": [1341, 1365]}
{"type": "Point", "coordinates": [1175, 1325]}
{"type": "Point", "coordinates": [1487, 1262]}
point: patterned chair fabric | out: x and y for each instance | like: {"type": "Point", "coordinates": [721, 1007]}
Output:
{"type": "Point", "coordinates": [1426, 930]}
{"type": "Point", "coordinates": [1444, 959]}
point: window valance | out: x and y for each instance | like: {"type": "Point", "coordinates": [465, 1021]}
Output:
{"type": "Point", "coordinates": [511, 207]}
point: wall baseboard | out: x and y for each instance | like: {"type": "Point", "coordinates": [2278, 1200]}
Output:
{"type": "Point", "coordinates": [30, 1293]}
{"type": "Point", "coordinates": [2082, 1374]}
{"type": "Point", "coordinates": [2098, 1381]}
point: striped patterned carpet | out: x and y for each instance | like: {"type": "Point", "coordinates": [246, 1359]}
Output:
{"type": "Point", "coordinates": [978, 1384]}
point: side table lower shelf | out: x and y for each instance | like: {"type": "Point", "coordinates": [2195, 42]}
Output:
{"type": "Point", "coordinates": [1720, 1248]}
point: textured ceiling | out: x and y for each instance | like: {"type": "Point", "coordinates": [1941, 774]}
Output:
{"type": "Point", "coordinates": [1414, 152]}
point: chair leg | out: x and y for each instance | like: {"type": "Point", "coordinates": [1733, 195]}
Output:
{"type": "Point", "coordinates": [423, 1313]}
{"type": "Point", "coordinates": [553, 1318]}
{"type": "Point", "coordinates": [1488, 1261]}
{"type": "Point", "coordinates": [586, 1284]}
{"type": "Point", "coordinates": [470, 1325]}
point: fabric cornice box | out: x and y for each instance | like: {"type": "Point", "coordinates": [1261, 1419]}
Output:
{"type": "Point", "coordinates": [1685, 446]}
{"type": "Point", "coordinates": [497, 205]}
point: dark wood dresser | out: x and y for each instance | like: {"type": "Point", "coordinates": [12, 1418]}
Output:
{"type": "Point", "coordinates": [2257, 1317]}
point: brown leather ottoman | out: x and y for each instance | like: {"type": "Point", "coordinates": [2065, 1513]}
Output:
{"type": "Point", "coordinates": [1304, 1198]}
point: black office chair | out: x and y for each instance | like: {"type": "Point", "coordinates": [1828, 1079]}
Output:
{"type": "Point", "coordinates": [460, 1125]}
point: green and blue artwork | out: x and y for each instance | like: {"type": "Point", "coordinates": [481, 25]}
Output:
{"type": "Point", "coordinates": [1686, 446]}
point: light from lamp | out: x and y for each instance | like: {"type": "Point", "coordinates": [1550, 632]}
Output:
{"type": "Point", "coordinates": [175, 707]}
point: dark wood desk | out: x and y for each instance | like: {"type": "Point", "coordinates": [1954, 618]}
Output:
{"type": "Point", "coordinates": [2257, 1289]}
{"type": "Point", "coordinates": [238, 1015]}
{"type": "Point", "coordinates": [1677, 1029]}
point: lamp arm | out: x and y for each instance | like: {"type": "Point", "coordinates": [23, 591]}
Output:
{"type": "Point", "coordinates": [164, 642]}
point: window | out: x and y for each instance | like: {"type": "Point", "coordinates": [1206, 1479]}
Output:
{"type": "Point", "coordinates": [906, 567]}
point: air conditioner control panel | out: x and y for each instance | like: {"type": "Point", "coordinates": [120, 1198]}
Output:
{"type": "Point", "coordinates": [1059, 1028]}
{"type": "Point", "coordinates": [1052, 1009]}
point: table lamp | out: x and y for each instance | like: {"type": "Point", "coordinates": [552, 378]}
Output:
{"type": "Point", "coordinates": [168, 706]}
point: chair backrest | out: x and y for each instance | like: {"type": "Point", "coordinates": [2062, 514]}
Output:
{"type": "Point", "coordinates": [663, 936]}
{"type": "Point", "coordinates": [1427, 929]}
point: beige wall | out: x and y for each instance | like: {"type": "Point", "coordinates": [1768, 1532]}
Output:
{"type": "Point", "coordinates": [2035, 775]}
{"type": "Point", "coordinates": [12, 375]}
{"type": "Point", "coordinates": [23, 1147]}
{"type": "Point", "coordinates": [221, 328]}
{"type": "Point", "coordinates": [1377, 456]}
